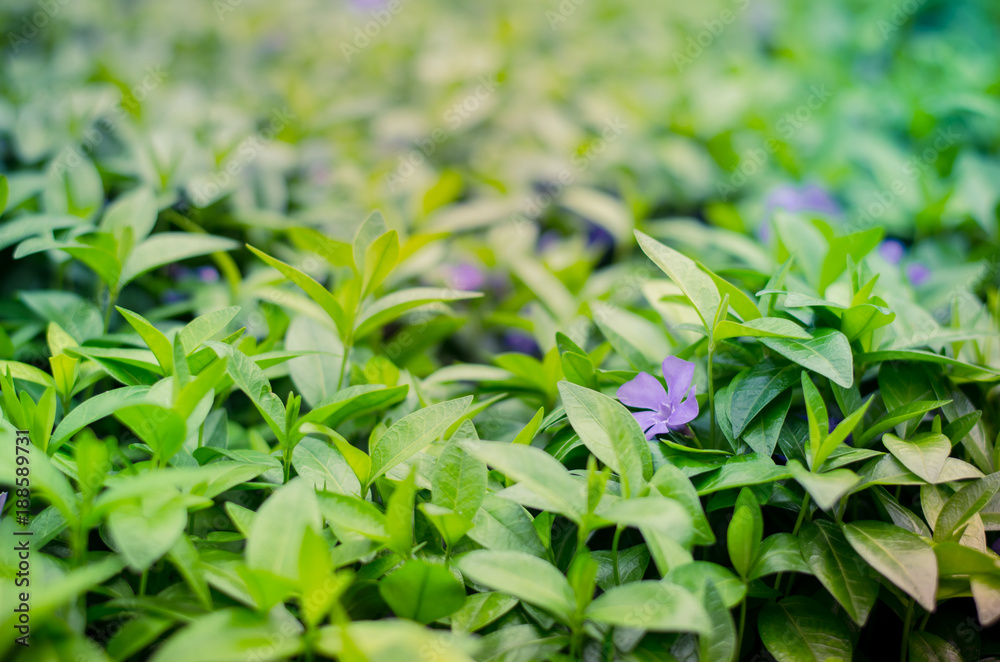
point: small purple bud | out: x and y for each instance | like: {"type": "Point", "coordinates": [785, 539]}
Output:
{"type": "Point", "coordinates": [917, 273]}
{"type": "Point", "coordinates": [598, 236]}
{"type": "Point", "coordinates": [809, 197]}
{"type": "Point", "coordinates": [467, 277]}
{"type": "Point", "coordinates": [519, 341]}
{"type": "Point", "coordinates": [172, 296]}
{"type": "Point", "coordinates": [208, 275]}
{"type": "Point", "coordinates": [547, 240]}
{"type": "Point", "coordinates": [892, 251]}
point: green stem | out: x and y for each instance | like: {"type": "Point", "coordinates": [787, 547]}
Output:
{"type": "Point", "coordinates": [795, 531]}
{"type": "Point", "coordinates": [906, 631]}
{"type": "Point", "coordinates": [711, 392]}
{"type": "Point", "coordinates": [614, 555]}
{"type": "Point", "coordinates": [112, 297]}
{"type": "Point", "coordinates": [802, 513]}
{"type": "Point", "coordinates": [142, 582]}
{"type": "Point", "coordinates": [923, 621]}
{"type": "Point", "coordinates": [739, 631]}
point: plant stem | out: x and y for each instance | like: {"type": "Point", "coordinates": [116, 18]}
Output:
{"type": "Point", "coordinates": [739, 631]}
{"type": "Point", "coordinates": [906, 631]}
{"type": "Point", "coordinates": [802, 513]}
{"type": "Point", "coordinates": [142, 582]}
{"type": "Point", "coordinates": [923, 621]}
{"type": "Point", "coordinates": [711, 392]}
{"type": "Point", "coordinates": [614, 555]}
{"type": "Point", "coordinates": [112, 297]}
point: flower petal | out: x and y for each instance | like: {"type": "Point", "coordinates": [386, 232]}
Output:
{"type": "Point", "coordinates": [646, 419]}
{"type": "Point", "coordinates": [678, 374]}
{"type": "Point", "coordinates": [645, 392]}
{"type": "Point", "coordinates": [686, 411]}
{"type": "Point", "coordinates": [660, 427]}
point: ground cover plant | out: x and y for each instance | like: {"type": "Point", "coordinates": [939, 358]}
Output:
{"type": "Point", "coordinates": [616, 332]}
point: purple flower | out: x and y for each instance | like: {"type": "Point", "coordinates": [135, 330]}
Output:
{"type": "Point", "coordinates": [467, 277]}
{"type": "Point", "coordinates": [598, 236]}
{"type": "Point", "coordinates": [3, 500]}
{"type": "Point", "coordinates": [665, 410]}
{"type": "Point", "coordinates": [892, 251]}
{"type": "Point", "coordinates": [917, 273]}
{"type": "Point", "coordinates": [208, 275]}
{"type": "Point", "coordinates": [519, 341]}
{"type": "Point", "coordinates": [808, 197]}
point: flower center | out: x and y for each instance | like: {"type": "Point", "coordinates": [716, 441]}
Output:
{"type": "Point", "coordinates": [664, 412]}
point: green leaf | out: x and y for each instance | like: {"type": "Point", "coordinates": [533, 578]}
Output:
{"type": "Point", "coordinates": [355, 515]}
{"type": "Point", "coordinates": [927, 647]}
{"type": "Point", "coordinates": [798, 629]}
{"type": "Point", "coordinates": [650, 512]}
{"type": "Point", "coordinates": [422, 592]}
{"type": "Point", "coordinates": [279, 528]}
{"type": "Point", "coordinates": [763, 327]}
{"type": "Point", "coordinates": [740, 471]}
{"type": "Point", "coordinates": [153, 337]}
{"type": "Point", "coordinates": [924, 454]}
{"type": "Point", "coordinates": [719, 644]}
{"type": "Point", "coordinates": [959, 368]}
{"type": "Point", "coordinates": [832, 441]}
{"type": "Point", "coordinates": [672, 483]}
{"type": "Point", "coordinates": [695, 574]}
{"type": "Point", "coordinates": [902, 557]}
{"type": "Point", "coordinates": [827, 488]}
{"type": "Point", "coordinates": [169, 247]}
{"type": "Point", "coordinates": [164, 430]}
{"type": "Point", "coordinates": [135, 210]}
{"type": "Point", "coordinates": [650, 605]}
{"type": "Point", "coordinates": [371, 228]}
{"type": "Point", "coordinates": [816, 414]}
{"type": "Point", "coordinates": [828, 353]}
{"type": "Point", "coordinates": [524, 576]}
{"type": "Point", "coordinates": [234, 635]}
{"type": "Point", "coordinates": [778, 553]}
{"type": "Point", "coordinates": [912, 411]}
{"type": "Point", "coordinates": [611, 433]}
{"type": "Point", "coordinates": [381, 257]}
{"type": "Point", "coordinates": [546, 479]}
{"type": "Point", "coordinates": [480, 610]}
{"type": "Point", "coordinates": [314, 376]}
{"type": "Point", "coordinates": [696, 285]}
{"type": "Point", "coordinates": [205, 327]}
{"type": "Point", "coordinates": [761, 435]}
{"type": "Point", "coordinates": [316, 292]}
{"type": "Point", "coordinates": [409, 435]}
{"type": "Point", "coordinates": [986, 593]}
{"type": "Point", "coordinates": [753, 389]}
{"type": "Point", "coordinates": [641, 342]}
{"type": "Point", "coordinates": [745, 533]}
{"type": "Point", "coordinates": [145, 529]}
{"type": "Point", "coordinates": [399, 515]}
{"type": "Point", "coordinates": [502, 525]}
{"type": "Point", "coordinates": [185, 558]}
{"type": "Point", "coordinates": [354, 401]}
{"type": "Point", "coordinates": [964, 505]}
{"type": "Point", "coordinates": [382, 311]}
{"type": "Point", "coordinates": [324, 467]}
{"type": "Point", "coordinates": [249, 378]}
{"type": "Point", "coordinates": [14, 231]}
{"type": "Point", "coordinates": [459, 481]}
{"type": "Point", "coordinates": [839, 568]}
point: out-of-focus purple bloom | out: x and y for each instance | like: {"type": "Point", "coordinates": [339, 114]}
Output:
{"type": "Point", "coordinates": [3, 500]}
{"type": "Point", "coordinates": [808, 197]}
{"type": "Point", "coordinates": [598, 236]}
{"type": "Point", "coordinates": [177, 272]}
{"type": "Point", "coordinates": [917, 273]}
{"type": "Point", "coordinates": [208, 275]}
{"type": "Point", "coordinates": [466, 276]}
{"type": "Point", "coordinates": [364, 5]}
{"type": "Point", "coordinates": [892, 251]}
{"type": "Point", "coordinates": [519, 341]}
{"type": "Point", "coordinates": [780, 459]}
{"type": "Point", "coordinates": [665, 410]}
{"type": "Point", "coordinates": [764, 232]}
{"type": "Point", "coordinates": [996, 546]}
{"type": "Point", "coordinates": [172, 296]}
{"type": "Point", "coordinates": [548, 239]}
